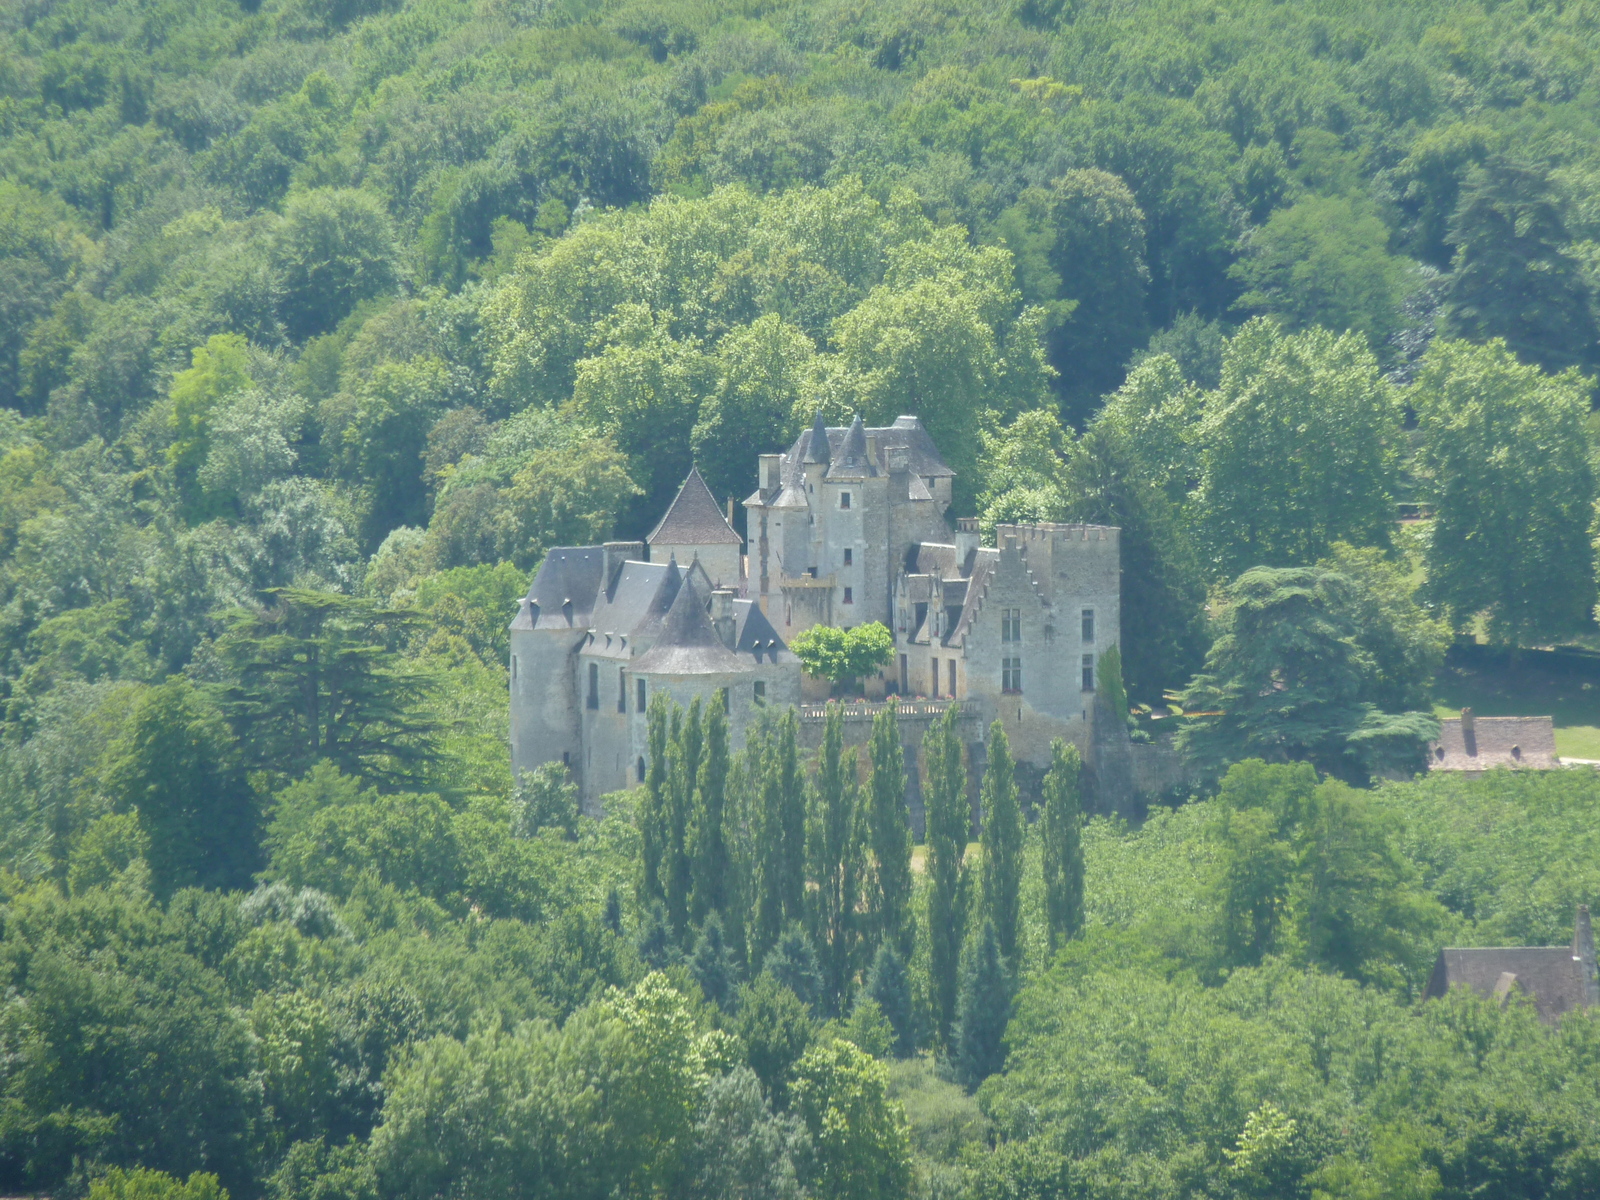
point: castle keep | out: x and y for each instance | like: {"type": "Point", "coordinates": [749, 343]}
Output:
{"type": "Point", "coordinates": [847, 527]}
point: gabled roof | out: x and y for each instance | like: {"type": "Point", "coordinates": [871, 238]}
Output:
{"type": "Point", "coordinates": [756, 636]}
{"type": "Point", "coordinates": [1558, 979]}
{"type": "Point", "coordinates": [693, 518]}
{"type": "Point", "coordinates": [688, 645]}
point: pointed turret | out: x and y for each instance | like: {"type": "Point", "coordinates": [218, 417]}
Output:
{"type": "Point", "coordinates": [688, 643]}
{"type": "Point", "coordinates": [854, 459]}
{"type": "Point", "coordinates": [817, 448]}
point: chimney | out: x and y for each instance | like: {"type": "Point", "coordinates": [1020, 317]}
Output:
{"type": "Point", "coordinates": [1583, 955]}
{"type": "Point", "coordinates": [771, 472]}
{"type": "Point", "coordinates": [618, 553]}
{"type": "Point", "coordinates": [1469, 734]}
{"type": "Point", "coordinates": [966, 539]}
{"type": "Point", "coordinates": [722, 616]}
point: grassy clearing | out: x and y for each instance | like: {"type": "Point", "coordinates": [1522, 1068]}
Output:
{"type": "Point", "coordinates": [1540, 684]}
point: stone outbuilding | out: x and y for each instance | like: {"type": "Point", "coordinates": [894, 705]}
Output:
{"type": "Point", "coordinates": [1558, 979]}
{"type": "Point", "coordinates": [1474, 744]}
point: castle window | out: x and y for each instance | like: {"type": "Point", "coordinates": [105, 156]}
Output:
{"type": "Point", "coordinates": [513, 668]}
{"type": "Point", "coordinates": [1010, 674]}
{"type": "Point", "coordinates": [594, 685]}
{"type": "Point", "coordinates": [1088, 626]}
{"type": "Point", "coordinates": [844, 499]}
{"type": "Point", "coordinates": [1010, 624]}
{"type": "Point", "coordinates": [639, 699]}
{"type": "Point", "coordinates": [622, 691]}
{"type": "Point", "coordinates": [849, 557]}
{"type": "Point", "coordinates": [953, 678]}
{"type": "Point", "coordinates": [760, 691]}
{"type": "Point", "coordinates": [935, 691]}
{"type": "Point", "coordinates": [849, 596]}
{"type": "Point", "coordinates": [1088, 672]}
{"type": "Point", "coordinates": [639, 768]}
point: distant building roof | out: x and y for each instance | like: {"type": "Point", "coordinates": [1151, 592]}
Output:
{"type": "Point", "coordinates": [1559, 979]}
{"type": "Point", "coordinates": [1469, 743]}
{"type": "Point", "coordinates": [694, 518]}
{"type": "Point", "coordinates": [823, 444]}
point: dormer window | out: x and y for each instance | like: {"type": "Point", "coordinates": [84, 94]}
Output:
{"type": "Point", "coordinates": [844, 499]}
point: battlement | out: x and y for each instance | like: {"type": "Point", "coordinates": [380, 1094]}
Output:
{"type": "Point", "coordinates": [1056, 532]}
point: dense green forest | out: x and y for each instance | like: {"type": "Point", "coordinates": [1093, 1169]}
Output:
{"type": "Point", "coordinates": [321, 320]}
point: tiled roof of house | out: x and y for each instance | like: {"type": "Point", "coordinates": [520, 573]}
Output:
{"type": "Point", "coordinates": [1469, 743]}
{"type": "Point", "coordinates": [1559, 979]}
{"type": "Point", "coordinates": [694, 518]}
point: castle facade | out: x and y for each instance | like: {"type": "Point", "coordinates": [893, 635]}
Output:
{"type": "Point", "coordinates": [847, 527]}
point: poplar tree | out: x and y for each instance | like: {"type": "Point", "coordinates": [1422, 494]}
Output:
{"type": "Point", "coordinates": [683, 757]}
{"type": "Point", "coordinates": [711, 865]}
{"type": "Point", "coordinates": [834, 853]}
{"type": "Point", "coordinates": [889, 838]}
{"type": "Point", "coordinates": [782, 847]}
{"type": "Point", "coordinates": [1062, 837]}
{"type": "Point", "coordinates": [1002, 843]}
{"type": "Point", "coordinates": [949, 824]}
{"type": "Point", "coordinates": [654, 820]}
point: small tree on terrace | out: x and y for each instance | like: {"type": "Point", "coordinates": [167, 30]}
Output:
{"type": "Point", "coordinates": [843, 655]}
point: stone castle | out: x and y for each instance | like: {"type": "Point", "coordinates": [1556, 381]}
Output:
{"type": "Point", "coordinates": [847, 527]}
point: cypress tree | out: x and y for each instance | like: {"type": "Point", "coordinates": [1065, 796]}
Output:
{"type": "Point", "coordinates": [657, 947]}
{"type": "Point", "coordinates": [793, 963]}
{"type": "Point", "coordinates": [983, 1010]}
{"type": "Point", "coordinates": [834, 853]}
{"type": "Point", "coordinates": [889, 838]}
{"type": "Point", "coordinates": [712, 866]}
{"type": "Point", "coordinates": [889, 984]}
{"type": "Point", "coordinates": [1062, 836]}
{"type": "Point", "coordinates": [714, 967]}
{"type": "Point", "coordinates": [1002, 843]}
{"type": "Point", "coordinates": [949, 824]}
{"type": "Point", "coordinates": [611, 915]}
{"type": "Point", "coordinates": [782, 847]}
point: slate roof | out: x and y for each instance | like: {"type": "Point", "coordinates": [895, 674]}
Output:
{"type": "Point", "coordinates": [755, 635]}
{"type": "Point", "coordinates": [824, 444]}
{"type": "Point", "coordinates": [1521, 743]}
{"type": "Point", "coordinates": [640, 598]}
{"type": "Point", "coordinates": [1559, 979]}
{"type": "Point", "coordinates": [564, 590]}
{"type": "Point", "coordinates": [851, 460]}
{"type": "Point", "coordinates": [688, 645]}
{"type": "Point", "coordinates": [984, 564]}
{"type": "Point", "coordinates": [693, 519]}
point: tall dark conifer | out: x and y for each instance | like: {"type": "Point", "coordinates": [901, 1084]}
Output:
{"type": "Point", "coordinates": [983, 1010]}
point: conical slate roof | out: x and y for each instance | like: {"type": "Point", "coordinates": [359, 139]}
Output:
{"type": "Point", "coordinates": [694, 518]}
{"type": "Point", "coordinates": [817, 447]}
{"type": "Point", "coordinates": [688, 645]}
{"type": "Point", "coordinates": [852, 458]}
